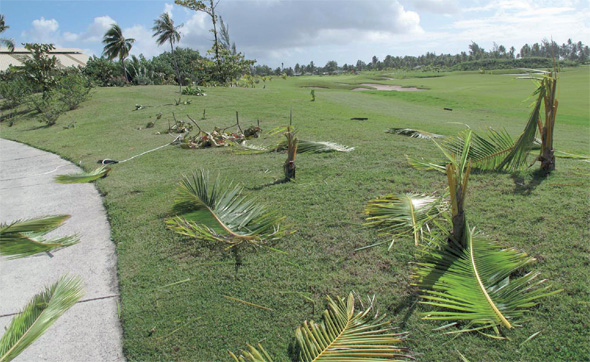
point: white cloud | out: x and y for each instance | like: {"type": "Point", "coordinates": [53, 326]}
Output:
{"type": "Point", "coordinates": [168, 9]}
{"type": "Point", "coordinates": [43, 31]}
{"type": "Point", "coordinates": [144, 43]}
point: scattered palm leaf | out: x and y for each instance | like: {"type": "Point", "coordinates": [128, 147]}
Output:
{"type": "Point", "coordinates": [344, 335]}
{"type": "Point", "coordinates": [83, 177]}
{"type": "Point", "coordinates": [41, 312]}
{"type": "Point", "coordinates": [253, 354]}
{"type": "Point", "coordinates": [472, 282]}
{"type": "Point", "coordinates": [414, 133]}
{"type": "Point", "coordinates": [404, 214]}
{"type": "Point", "coordinates": [246, 303]}
{"type": "Point", "coordinates": [316, 147]}
{"type": "Point", "coordinates": [240, 218]}
{"type": "Point", "coordinates": [24, 238]}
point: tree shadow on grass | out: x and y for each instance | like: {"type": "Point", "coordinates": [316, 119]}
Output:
{"type": "Point", "coordinates": [277, 182]}
{"type": "Point", "coordinates": [522, 186]}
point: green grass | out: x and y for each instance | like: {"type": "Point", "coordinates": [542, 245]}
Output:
{"type": "Point", "coordinates": [548, 218]}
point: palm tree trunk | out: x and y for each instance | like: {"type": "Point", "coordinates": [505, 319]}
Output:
{"type": "Point", "coordinates": [216, 44]}
{"type": "Point", "coordinates": [173, 53]}
{"type": "Point", "coordinates": [124, 70]}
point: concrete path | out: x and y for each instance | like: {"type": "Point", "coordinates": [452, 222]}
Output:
{"type": "Point", "coordinates": [90, 330]}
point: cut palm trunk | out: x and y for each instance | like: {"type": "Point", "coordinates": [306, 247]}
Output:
{"type": "Point", "coordinates": [289, 166]}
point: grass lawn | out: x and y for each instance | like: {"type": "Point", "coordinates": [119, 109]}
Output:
{"type": "Point", "coordinates": [192, 320]}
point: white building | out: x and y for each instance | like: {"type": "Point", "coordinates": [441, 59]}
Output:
{"type": "Point", "coordinates": [66, 57]}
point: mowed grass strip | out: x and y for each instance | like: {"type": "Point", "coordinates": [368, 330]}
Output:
{"type": "Point", "coordinates": [192, 320]}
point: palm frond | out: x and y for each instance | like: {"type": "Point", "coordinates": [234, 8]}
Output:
{"type": "Point", "coordinates": [486, 152]}
{"type": "Point", "coordinates": [83, 177]}
{"type": "Point", "coordinates": [472, 282]}
{"type": "Point", "coordinates": [241, 218]}
{"type": "Point", "coordinates": [253, 354]}
{"type": "Point", "coordinates": [414, 133]}
{"type": "Point", "coordinates": [404, 214]}
{"type": "Point", "coordinates": [25, 238]}
{"type": "Point", "coordinates": [304, 146]}
{"type": "Point", "coordinates": [343, 335]}
{"type": "Point", "coordinates": [41, 312]}
{"type": "Point", "coordinates": [346, 335]}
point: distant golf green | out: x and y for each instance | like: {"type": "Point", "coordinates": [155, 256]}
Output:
{"type": "Point", "coordinates": [547, 218]}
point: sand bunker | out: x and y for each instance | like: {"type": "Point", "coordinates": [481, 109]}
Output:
{"type": "Point", "coordinates": [384, 87]}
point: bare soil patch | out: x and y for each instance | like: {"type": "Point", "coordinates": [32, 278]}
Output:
{"type": "Point", "coordinates": [384, 87]}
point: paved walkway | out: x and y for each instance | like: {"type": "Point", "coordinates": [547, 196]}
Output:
{"type": "Point", "coordinates": [90, 330]}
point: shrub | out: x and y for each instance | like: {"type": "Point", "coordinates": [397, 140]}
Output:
{"type": "Point", "coordinates": [49, 108]}
{"type": "Point", "coordinates": [191, 90]}
{"type": "Point", "coordinates": [14, 92]}
{"type": "Point", "coordinates": [73, 89]}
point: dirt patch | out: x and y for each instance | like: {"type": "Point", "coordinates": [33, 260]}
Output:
{"type": "Point", "coordinates": [384, 87]}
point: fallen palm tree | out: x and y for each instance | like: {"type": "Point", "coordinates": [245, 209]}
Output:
{"type": "Point", "coordinates": [496, 150]}
{"type": "Point", "coordinates": [471, 281]}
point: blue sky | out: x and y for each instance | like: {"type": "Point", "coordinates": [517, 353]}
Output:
{"type": "Point", "coordinates": [298, 31]}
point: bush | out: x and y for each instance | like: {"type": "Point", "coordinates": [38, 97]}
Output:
{"type": "Point", "coordinates": [49, 108]}
{"type": "Point", "coordinates": [191, 90]}
{"type": "Point", "coordinates": [14, 92]}
{"type": "Point", "coordinates": [73, 89]}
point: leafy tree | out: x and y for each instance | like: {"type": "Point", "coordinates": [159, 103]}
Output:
{"type": "Point", "coordinates": [117, 46]}
{"type": "Point", "coordinates": [9, 43]}
{"type": "Point", "coordinates": [166, 32]}
{"type": "Point", "coordinates": [199, 5]}
{"type": "Point", "coordinates": [40, 69]}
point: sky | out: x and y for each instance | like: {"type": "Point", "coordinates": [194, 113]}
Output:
{"type": "Point", "coordinates": [300, 31]}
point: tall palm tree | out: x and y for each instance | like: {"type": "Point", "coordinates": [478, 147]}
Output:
{"type": "Point", "coordinates": [9, 43]}
{"type": "Point", "coordinates": [117, 46]}
{"type": "Point", "coordinates": [165, 30]}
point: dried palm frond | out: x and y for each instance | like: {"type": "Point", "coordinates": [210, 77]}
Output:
{"type": "Point", "coordinates": [414, 133]}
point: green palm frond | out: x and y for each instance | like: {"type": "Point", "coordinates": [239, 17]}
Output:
{"type": "Point", "coordinates": [253, 354]}
{"type": "Point", "coordinates": [41, 312]}
{"type": "Point", "coordinates": [404, 214]}
{"type": "Point", "coordinates": [346, 335]}
{"type": "Point", "coordinates": [472, 282]}
{"type": "Point", "coordinates": [24, 238]}
{"type": "Point", "coordinates": [165, 30]}
{"type": "Point", "coordinates": [241, 219]}
{"type": "Point", "coordinates": [486, 152]}
{"type": "Point", "coordinates": [343, 335]}
{"type": "Point", "coordinates": [115, 44]}
{"type": "Point", "coordinates": [414, 133]}
{"type": "Point", "coordinates": [83, 177]}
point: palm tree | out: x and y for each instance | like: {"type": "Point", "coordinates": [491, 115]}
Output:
{"type": "Point", "coordinates": [165, 30]}
{"type": "Point", "coordinates": [9, 43]}
{"type": "Point", "coordinates": [117, 46]}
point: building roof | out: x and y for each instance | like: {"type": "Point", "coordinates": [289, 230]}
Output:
{"type": "Point", "coordinates": [66, 57]}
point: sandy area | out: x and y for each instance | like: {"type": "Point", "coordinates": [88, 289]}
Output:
{"type": "Point", "coordinates": [388, 88]}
